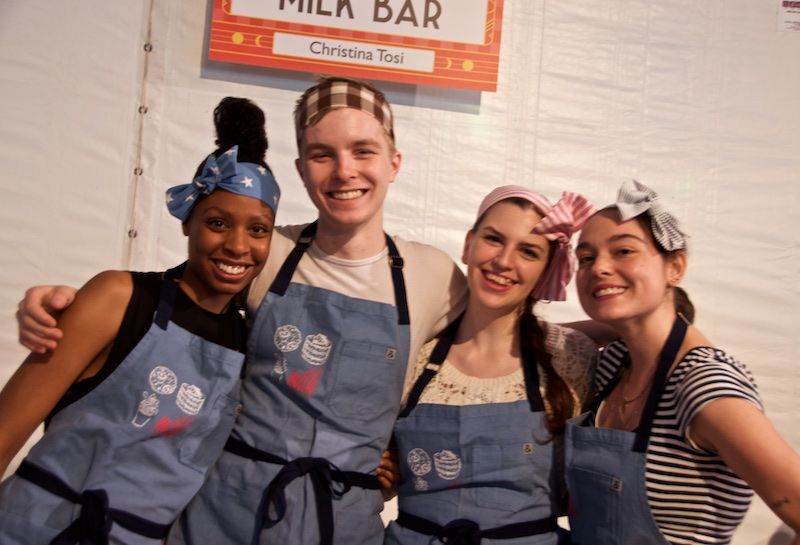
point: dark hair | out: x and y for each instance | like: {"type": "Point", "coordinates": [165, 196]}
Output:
{"type": "Point", "coordinates": [239, 122]}
{"type": "Point", "coordinates": [557, 393]}
{"type": "Point", "coordinates": [683, 305]}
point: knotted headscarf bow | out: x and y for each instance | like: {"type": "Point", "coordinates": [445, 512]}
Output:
{"type": "Point", "coordinates": [635, 199]}
{"type": "Point", "coordinates": [225, 172]}
{"type": "Point", "coordinates": [559, 222]}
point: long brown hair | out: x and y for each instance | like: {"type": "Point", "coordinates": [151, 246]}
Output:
{"type": "Point", "coordinates": [532, 336]}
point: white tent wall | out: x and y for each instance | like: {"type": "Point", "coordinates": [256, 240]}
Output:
{"type": "Point", "coordinates": [698, 100]}
{"type": "Point", "coordinates": [70, 77]}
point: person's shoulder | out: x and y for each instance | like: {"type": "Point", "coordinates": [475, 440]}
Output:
{"type": "Point", "coordinates": [704, 364]}
{"type": "Point", "coordinates": [414, 250]}
{"type": "Point", "coordinates": [145, 279]}
{"type": "Point", "coordinates": [610, 359]}
{"type": "Point", "coordinates": [106, 290]}
{"type": "Point", "coordinates": [706, 373]}
{"type": "Point", "coordinates": [289, 231]}
{"type": "Point", "coordinates": [112, 282]}
{"type": "Point", "coordinates": [431, 272]}
{"type": "Point", "coordinates": [283, 240]}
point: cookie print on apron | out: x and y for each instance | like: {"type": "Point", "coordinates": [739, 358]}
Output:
{"type": "Point", "coordinates": [321, 393]}
{"type": "Point", "coordinates": [475, 473]}
{"type": "Point", "coordinates": [118, 465]}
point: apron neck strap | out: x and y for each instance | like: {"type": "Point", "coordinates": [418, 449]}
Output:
{"type": "Point", "coordinates": [435, 361]}
{"type": "Point", "coordinates": [668, 354]}
{"type": "Point", "coordinates": [284, 276]}
{"type": "Point", "coordinates": [439, 353]}
{"type": "Point", "coordinates": [167, 295]}
{"type": "Point", "coordinates": [398, 282]}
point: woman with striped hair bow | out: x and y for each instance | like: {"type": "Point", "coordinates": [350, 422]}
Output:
{"type": "Point", "coordinates": [676, 436]}
{"type": "Point", "coordinates": [477, 437]}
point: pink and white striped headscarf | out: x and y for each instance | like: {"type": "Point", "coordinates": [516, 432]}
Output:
{"type": "Point", "coordinates": [559, 222]}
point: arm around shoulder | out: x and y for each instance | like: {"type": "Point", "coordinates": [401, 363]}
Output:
{"type": "Point", "coordinates": [574, 358]}
{"type": "Point", "coordinates": [437, 288]}
{"type": "Point", "coordinates": [600, 334]}
{"type": "Point", "coordinates": [89, 327]}
{"type": "Point", "coordinates": [37, 313]}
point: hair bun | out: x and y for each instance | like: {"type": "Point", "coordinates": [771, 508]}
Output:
{"type": "Point", "coordinates": [239, 122]}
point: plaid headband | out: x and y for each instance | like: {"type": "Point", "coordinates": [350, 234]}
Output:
{"type": "Point", "coordinates": [331, 94]}
{"type": "Point", "coordinates": [224, 172]}
{"type": "Point", "coordinates": [559, 222]}
{"type": "Point", "coordinates": [635, 199]}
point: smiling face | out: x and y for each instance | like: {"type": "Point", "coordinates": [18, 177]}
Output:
{"type": "Point", "coordinates": [622, 276]}
{"type": "Point", "coordinates": [504, 258]}
{"type": "Point", "coordinates": [347, 163]}
{"type": "Point", "coordinates": [229, 238]}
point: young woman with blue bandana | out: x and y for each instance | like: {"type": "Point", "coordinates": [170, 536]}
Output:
{"type": "Point", "coordinates": [477, 438]}
{"type": "Point", "coordinates": [142, 391]}
{"type": "Point", "coordinates": [676, 440]}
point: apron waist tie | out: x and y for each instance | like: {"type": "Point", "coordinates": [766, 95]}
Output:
{"type": "Point", "coordinates": [93, 525]}
{"type": "Point", "coordinates": [467, 532]}
{"type": "Point", "coordinates": [329, 483]}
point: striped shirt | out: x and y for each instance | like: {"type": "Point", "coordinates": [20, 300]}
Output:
{"type": "Point", "coordinates": [693, 496]}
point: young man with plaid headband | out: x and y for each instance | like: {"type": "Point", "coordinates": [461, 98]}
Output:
{"type": "Point", "coordinates": [337, 312]}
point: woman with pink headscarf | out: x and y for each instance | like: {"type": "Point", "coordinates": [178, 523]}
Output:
{"type": "Point", "coordinates": [477, 439]}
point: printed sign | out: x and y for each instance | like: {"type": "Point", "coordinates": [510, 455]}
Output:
{"type": "Point", "coordinates": [789, 15]}
{"type": "Point", "coordinates": [449, 43]}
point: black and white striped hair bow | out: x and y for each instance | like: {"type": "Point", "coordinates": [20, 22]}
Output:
{"type": "Point", "coordinates": [634, 199]}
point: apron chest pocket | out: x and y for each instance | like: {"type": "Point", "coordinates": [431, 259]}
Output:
{"type": "Point", "coordinates": [360, 377]}
{"type": "Point", "coordinates": [502, 474]}
{"type": "Point", "coordinates": [596, 503]}
{"type": "Point", "coordinates": [201, 448]}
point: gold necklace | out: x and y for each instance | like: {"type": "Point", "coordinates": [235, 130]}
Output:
{"type": "Point", "coordinates": [622, 405]}
{"type": "Point", "coordinates": [626, 401]}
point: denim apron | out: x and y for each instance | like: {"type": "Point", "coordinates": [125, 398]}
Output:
{"type": "Point", "coordinates": [118, 465]}
{"type": "Point", "coordinates": [605, 468]}
{"type": "Point", "coordinates": [475, 474]}
{"type": "Point", "coordinates": [319, 400]}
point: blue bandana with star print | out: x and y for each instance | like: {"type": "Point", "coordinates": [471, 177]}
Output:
{"type": "Point", "coordinates": [224, 172]}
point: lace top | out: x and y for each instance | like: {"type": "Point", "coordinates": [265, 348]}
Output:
{"type": "Point", "coordinates": [574, 356]}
